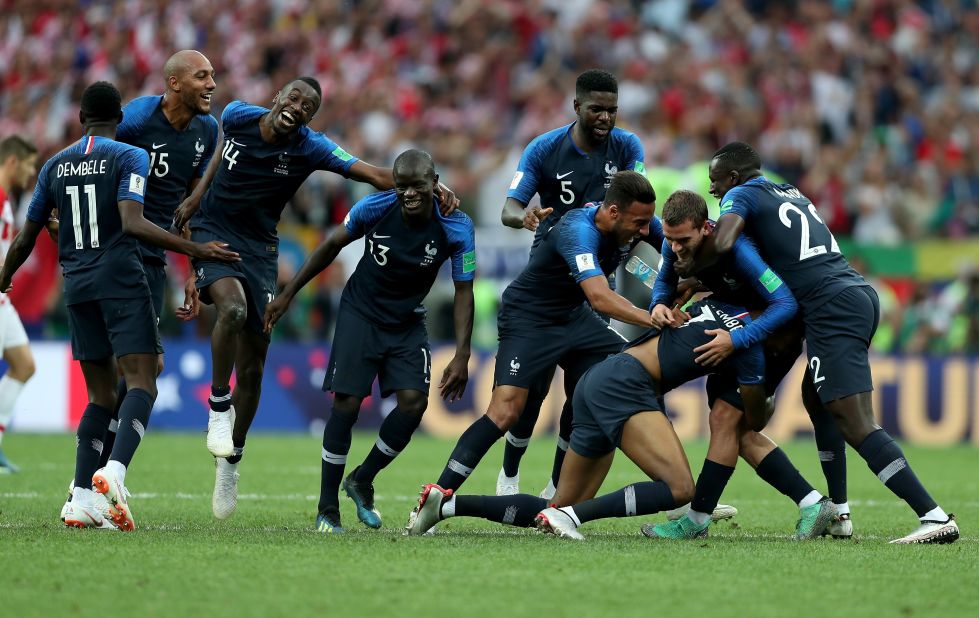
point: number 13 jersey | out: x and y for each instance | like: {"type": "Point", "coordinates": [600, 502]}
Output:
{"type": "Point", "coordinates": [792, 239]}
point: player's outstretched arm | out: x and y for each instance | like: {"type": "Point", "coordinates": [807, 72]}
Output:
{"type": "Point", "coordinates": [605, 301]}
{"type": "Point", "coordinates": [318, 260]}
{"type": "Point", "coordinates": [199, 186]}
{"type": "Point", "coordinates": [456, 374]}
{"type": "Point", "coordinates": [516, 215]}
{"type": "Point", "coordinates": [757, 412]}
{"type": "Point", "coordinates": [20, 249]}
{"type": "Point", "coordinates": [134, 223]}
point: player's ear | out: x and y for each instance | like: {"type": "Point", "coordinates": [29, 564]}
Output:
{"type": "Point", "coordinates": [577, 106]}
{"type": "Point", "coordinates": [435, 180]}
{"type": "Point", "coordinates": [121, 114]}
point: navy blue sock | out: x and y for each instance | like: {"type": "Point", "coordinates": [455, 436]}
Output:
{"type": "Point", "coordinates": [710, 485]}
{"type": "Point", "coordinates": [392, 438]}
{"type": "Point", "coordinates": [776, 470]}
{"type": "Point", "coordinates": [336, 445]}
{"type": "Point", "coordinates": [886, 460]}
{"type": "Point", "coordinates": [110, 435]}
{"type": "Point", "coordinates": [636, 499]}
{"type": "Point", "coordinates": [832, 454]}
{"type": "Point", "coordinates": [470, 448]}
{"type": "Point", "coordinates": [563, 440]}
{"type": "Point", "coordinates": [89, 443]}
{"type": "Point", "coordinates": [517, 510]}
{"type": "Point", "coordinates": [518, 438]}
{"type": "Point", "coordinates": [134, 416]}
{"type": "Point", "coordinates": [220, 399]}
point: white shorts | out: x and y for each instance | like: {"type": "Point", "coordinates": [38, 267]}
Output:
{"type": "Point", "coordinates": [12, 333]}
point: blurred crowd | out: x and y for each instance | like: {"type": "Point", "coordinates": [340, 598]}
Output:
{"type": "Point", "coordinates": [871, 107]}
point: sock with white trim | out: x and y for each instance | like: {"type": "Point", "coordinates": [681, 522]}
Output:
{"type": "Point", "coordinates": [134, 416]}
{"type": "Point", "coordinates": [469, 450]}
{"type": "Point", "coordinates": [886, 460]}
{"type": "Point", "coordinates": [392, 438]}
{"type": "Point", "coordinates": [336, 445]}
{"type": "Point", "coordinates": [636, 499]}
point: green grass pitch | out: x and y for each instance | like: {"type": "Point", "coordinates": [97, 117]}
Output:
{"type": "Point", "coordinates": [268, 561]}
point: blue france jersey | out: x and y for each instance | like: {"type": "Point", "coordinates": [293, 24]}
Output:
{"type": "Point", "coordinates": [567, 178]}
{"type": "Point", "coordinates": [176, 158]}
{"type": "Point", "coordinates": [677, 358]}
{"type": "Point", "coordinates": [401, 261]}
{"type": "Point", "coordinates": [85, 182]}
{"type": "Point", "coordinates": [744, 280]}
{"type": "Point", "coordinates": [793, 239]}
{"type": "Point", "coordinates": [548, 288]}
{"type": "Point", "coordinates": [256, 179]}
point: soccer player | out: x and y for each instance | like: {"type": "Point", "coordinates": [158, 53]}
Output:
{"type": "Point", "coordinates": [748, 281]}
{"type": "Point", "coordinates": [267, 155]}
{"type": "Point", "coordinates": [380, 330]}
{"type": "Point", "coordinates": [97, 184]}
{"type": "Point", "coordinates": [840, 312]}
{"type": "Point", "coordinates": [544, 319]}
{"type": "Point", "coordinates": [568, 167]}
{"type": "Point", "coordinates": [180, 136]}
{"type": "Point", "coordinates": [18, 163]}
{"type": "Point", "coordinates": [618, 404]}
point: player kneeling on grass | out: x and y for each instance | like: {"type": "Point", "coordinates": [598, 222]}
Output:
{"type": "Point", "coordinates": [97, 184]}
{"type": "Point", "coordinates": [380, 330]}
{"type": "Point", "coordinates": [618, 403]}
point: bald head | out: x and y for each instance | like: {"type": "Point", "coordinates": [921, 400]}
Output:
{"type": "Point", "coordinates": [190, 81]}
{"type": "Point", "coordinates": [183, 62]}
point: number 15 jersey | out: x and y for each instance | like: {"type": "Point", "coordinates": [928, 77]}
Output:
{"type": "Point", "coordinates": [792, 239]}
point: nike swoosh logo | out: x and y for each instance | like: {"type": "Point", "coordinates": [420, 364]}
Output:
{"type": "Point", "coordinates": [381, 236]}
{"type": "Point", "coordinates": [236, 143]}
{"type": "Point", "coordinates": [560, 176]}
{"type": "Point", "coordinates": [155, 145]}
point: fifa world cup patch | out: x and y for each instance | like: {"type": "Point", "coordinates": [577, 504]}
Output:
{"type": "Point", "coordinates": [341, 154]}
{"type": "Point", "coordinates": [137, 184]}
{"type": "Point", "coordinates": [585, 261]}
{"type": "Point", "coordinates": [516, 180]}
{"type": "Point", "coordinates": [770, 280]}
{"type": "Point", "coordinates": [639, 167]}
{"type": "Point", "coordinates": [726, 206]}
{"type": "Point", "coordinates": [469, 262]}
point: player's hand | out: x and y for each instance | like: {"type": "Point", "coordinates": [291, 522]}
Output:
{"type": "Point", "coordinates": [448, 202]}
{"type": "Point", "coordinates": [454, 378]}
{"type": "Point", "coordinates": [661, 316]}
{"type": "Point", "coordinates": [275, 310]}
{"type": "Point", "coordinates": [686, 289]}
{"type": "Point", "coordinates": [6, 281]}
{"type": "Point", "coordinates": [192, 301]}
{"type": "Point", "coordinates": [534, 216]}
{"type": "Point", "coordinates": [53, 226]}
{"type": "Point", "coordinates": [715, 350]}
{"type": "Point", "coordinates": [216, 250]}
{"type": "Point", "coordinates": [184, 213]}
{"type": "Point", "coordinates": [680, 317]}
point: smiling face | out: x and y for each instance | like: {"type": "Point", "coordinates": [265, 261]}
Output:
{"type": "Point", "coordinates": [685, 239]}
{"type": "Point", "coordinates": [631, 222]}
{"type": "Point", "coordinates": [414, 184]}
{"type": "Point", "coordinates": [596, 114]}
{"type": "Point", "coordinates": [293, 107]}
{"type": "Point", "coordinates": [722, 178]}
{"type": "Point", "coordinates": [193, 81]}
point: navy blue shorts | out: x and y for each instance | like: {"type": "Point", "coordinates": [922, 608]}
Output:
{"type": "Point", "coordinates": [838, 335]}
{"type": "Point", "coordinates": [608, 395]}
{"type": "Point", "coordinates": [156, 276]}
{"type": "Point", "coordinates": [529, 350]}
{"type": "Point", "coordinates": [258, 276]}
{"type": "Point", "coordinates": [113, 327]}
{"type": "Point", "coordinates": [724, 386]}
{"type": "Point", "coordinates": [399, 359]}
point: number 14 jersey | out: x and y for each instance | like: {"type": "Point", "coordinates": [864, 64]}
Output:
{"type": "Point", "coordinates": [792, 239]}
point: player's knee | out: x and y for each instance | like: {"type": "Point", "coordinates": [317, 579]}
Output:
{"type": "Point", "coordinates": [23, 370]}
{"type": "Point", "coordinates": [724, 418]}
{"type": "Point", "coordinates": [250, 376]}
{"type": "Point", "coordinates": [413, 404]}
{"type": "Point", "coordinates": [233, 313]}
{"type": "Point", "coordinates": [503, 415]}
{"type": "Point", "coordinates": [347, 405]}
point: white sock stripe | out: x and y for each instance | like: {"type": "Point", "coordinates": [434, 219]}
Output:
{"type": "Point", "coordinates": [517, 442]}
{"type": "Point", "coordinates": [563, 444]}
{"type": "Point", "coordinates": [891, 469]}
{"type": "Point", "coordinates": [140, 429]}
{"type": "Point", "coordinates": [114, 425]}
{"type": "Point", "coordinates": [458, 468]}
{"type": "Point", "coordinates": [630, 500]}
{"type": "Point", "coordinates": [827, 455]}
{"type": "Point", "coordinates": [97, 445]}
{"type": "Point", "coordinates": [219, 398]}
{"type": "Point", "coordinates": [384, 448]}
{"type": "Point", "coordinates": [333, 458]}
{"type": "Point", "coordinates": [510, 515]}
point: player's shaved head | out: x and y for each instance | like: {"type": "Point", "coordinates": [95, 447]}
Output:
{"type": "Point", "coordinates": [411, 160]}
{"type": "Point", "coordinates": [182, 62]}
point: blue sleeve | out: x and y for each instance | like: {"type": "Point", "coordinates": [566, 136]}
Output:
{"type": "Point", "coordinates": [238, 112]}
{"type": "Point", "coordinates": [41, 204]}
{"type": "Point", "coordinates": [368, 211]}
{"type": "Point", "coordinates": [750, 365]}
{"type": "Point", "coordinates": [327, 155]}
{"type": "Point", "coordinates": [781, 303]}
{"type": "Point", "coordinates": [738, 201]}
{"type": "Point", "coordinates": [665, 286]}
{"type": "Point", "coordinates": [134, 116]}
{"type": "Point", "coordinates": [578, 245]}
{"type": "Point", "coordinates": [462, 238]}
{"type": "Point", "coordinates": [134, 166]}
{"type": "Point", "coordinates": [210, 147]}
{"type": "Point", "coordinates": [527, 177]}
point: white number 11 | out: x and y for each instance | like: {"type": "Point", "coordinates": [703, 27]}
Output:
{"type": "Point", "coordinates": [76, 216]}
